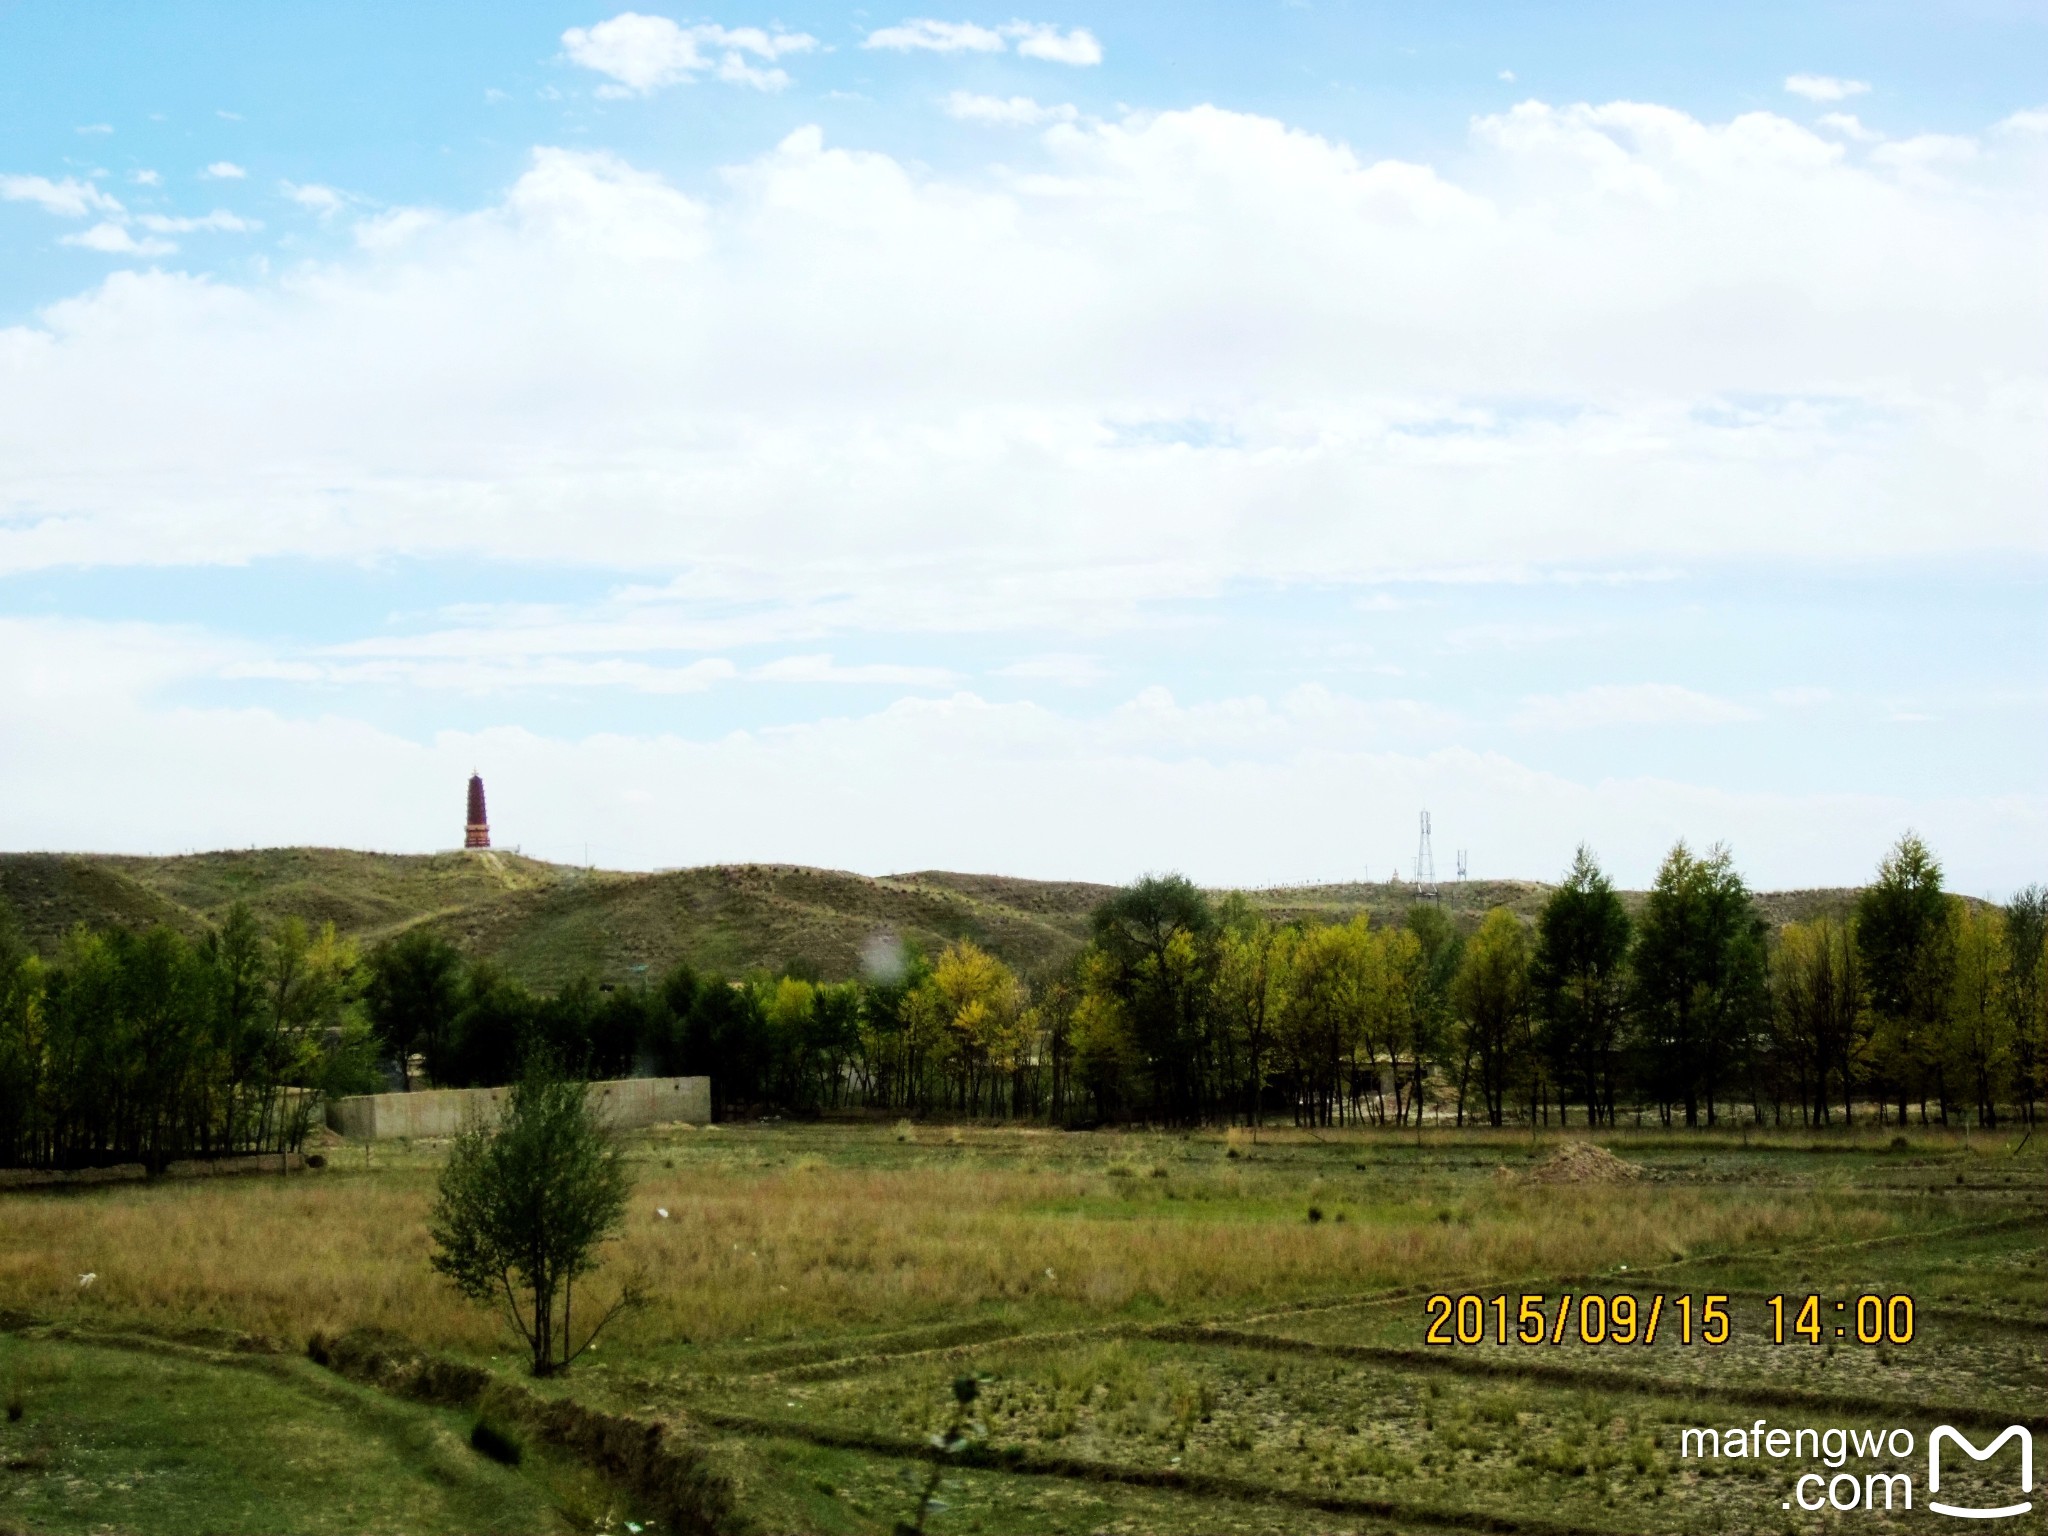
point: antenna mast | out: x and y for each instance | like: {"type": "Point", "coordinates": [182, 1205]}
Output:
{"type": "Point", "coordinates": [1425, 866]}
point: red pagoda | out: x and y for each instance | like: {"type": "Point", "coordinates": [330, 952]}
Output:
{"type": "Point", "coordinates": [477, 834]}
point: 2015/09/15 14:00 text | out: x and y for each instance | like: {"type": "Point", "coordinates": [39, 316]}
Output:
{"type": "Point", "coordinates": [1624, 1318]}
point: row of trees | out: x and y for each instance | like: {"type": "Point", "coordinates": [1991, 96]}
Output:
{"type": "Point", "coordinates": [1914, 1002]}
{"type": "Point", "coordinates": [143, 1047]}
{"type": "Point", "coordinates": [1181, 1009]}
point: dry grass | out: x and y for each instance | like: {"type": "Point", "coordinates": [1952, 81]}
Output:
{"type": "Point", "coordinates": [771, 1238]}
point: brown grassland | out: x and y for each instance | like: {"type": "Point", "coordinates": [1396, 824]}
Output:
{"type": "Point", "coordinates": [772, 1236]}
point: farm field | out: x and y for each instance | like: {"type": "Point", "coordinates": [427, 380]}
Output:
{"type": "Point", "coordinates": [1169, 1332]}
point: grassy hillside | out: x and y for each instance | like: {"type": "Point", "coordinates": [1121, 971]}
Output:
{"type": "Point", "coordinates": [548, 922]}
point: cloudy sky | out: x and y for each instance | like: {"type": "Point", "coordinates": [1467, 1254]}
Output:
{"type": "Point", "coordinates": [1058, 442]}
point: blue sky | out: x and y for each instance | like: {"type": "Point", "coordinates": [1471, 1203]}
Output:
{"type": "Point", "coordinates": [1066, 443]}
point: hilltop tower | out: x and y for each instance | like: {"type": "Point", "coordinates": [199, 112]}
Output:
{"type": "Point", "coordinates": [477, 833]}
{"type": "Point", "coordinates": [1425, 866]}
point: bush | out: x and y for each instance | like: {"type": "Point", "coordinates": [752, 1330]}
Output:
{"type": "Point", "coordinates": [525, 1203]}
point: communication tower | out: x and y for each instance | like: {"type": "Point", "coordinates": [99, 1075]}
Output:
{"type": "Point", "coordinates": [1425, 866]}
{"type": "Point", "coordinates": [1461, 866]}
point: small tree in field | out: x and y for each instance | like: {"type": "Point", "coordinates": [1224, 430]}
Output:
{"type": "Point", "coordinates": [524, 1205]}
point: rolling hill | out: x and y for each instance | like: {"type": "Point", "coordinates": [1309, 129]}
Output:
{"type": "Point", "coordinates": [549, 922]}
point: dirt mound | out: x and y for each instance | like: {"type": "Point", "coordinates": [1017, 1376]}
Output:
{"type": "Point", "coordinates": [1580, 1162]}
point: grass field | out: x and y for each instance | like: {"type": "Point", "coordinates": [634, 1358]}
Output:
{"type": "Point", "coordinates": [1168, 1340]}
{"type": "Point", "coordinates": [148, 1435]}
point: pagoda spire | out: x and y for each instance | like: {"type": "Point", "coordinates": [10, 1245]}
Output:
{"type": "Point", "coordinates": [477, 832]}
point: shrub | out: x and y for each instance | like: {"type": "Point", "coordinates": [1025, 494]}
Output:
{"type": "Point", "coordinates": [523, 1207]}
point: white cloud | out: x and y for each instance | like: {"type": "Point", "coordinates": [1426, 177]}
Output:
{"type": "Point", "coordinates": [1045, 42]}
{"type": "Point", "coordinates": [1926, 156]}
{"type": "Point", "coordinates": [226, 116]}
{"type": "Point", "coordinates": [1015, 111]}
{"type": "Point", "coordinates": [219, 221]}
{"type": "Point", "coordinates": [111, 239]}
{"type": "Point", "coordinates": [1508, 75]}
{"type": "Point", "coordinates": [1061, 667]}
{"type": "Point", "coordinates": [1849, 126]}
{"type": "Point", "coordinates": [146, 178]}
{"type": "Point", "coordinates": [323, 200]}
{"type": "Point", "coordinates": [69, 198]}
{"type": "Point", "coordinates": [1033, 40]}
{"type": "Point", "coordinates": [1509, 635]}
{"type": "Point", "coordinates": [2033, 120]}
{"type": "Point", "coordinates": [1627, 704]}
{"type": "Point", "coordinates": [822, 669]}
{"type": "Point", "coordinates": [642, 54]}
{"type": "Point", "coordinates": [223, 170]}
{"type": "Point", "coordinates": [500, 675]}
{"type": "Point", "coordinates": [95, 129]}
{"type": "Point", "coordinates": [1825, 87]}
{"type": "Point", "coordinates": [937, 37]}
{"type": "Point", "coordinates": [1169, 352]}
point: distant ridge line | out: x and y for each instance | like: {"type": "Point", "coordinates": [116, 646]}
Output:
{"type": "Point", "coordinates": [547, 923]}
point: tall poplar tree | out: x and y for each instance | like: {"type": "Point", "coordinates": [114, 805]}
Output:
{"type": "Point", "coordinates": [1907, 942]}
{"type": "Point", "coordinates": [1578, 978]}
{"type": "Point", "coordinates": [1699, 978]}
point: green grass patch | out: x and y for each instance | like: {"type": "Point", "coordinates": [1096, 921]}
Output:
{"type": "Point", "coordinates": [114, 1439]}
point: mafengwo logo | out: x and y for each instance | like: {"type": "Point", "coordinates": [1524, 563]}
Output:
{"type": "Point", "coordinates": [1945, 1434]}
{"type": "Point", "coordinates": [1861, 1467]}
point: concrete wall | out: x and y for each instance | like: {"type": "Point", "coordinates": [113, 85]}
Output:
{"type": "Point", "coordinates": [628, 1102]}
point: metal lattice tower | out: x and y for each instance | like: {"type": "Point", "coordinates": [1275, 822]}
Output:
{"type": "Point", "coordinates": [1461, 866]}
{"type": "Point", "coordinates": [1425, 866]}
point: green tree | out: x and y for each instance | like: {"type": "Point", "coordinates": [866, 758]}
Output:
{"type": "Point", "coordinates": [1157, 939]}
{"type": "Point", "coordinates": [1817, 993]}
{"type": "Point", "coordinates": [1443, 953]}
{"type": "Point", "coordinates": [24, 1133]}
{"type": "Point", "coordinates": [493, 1033]}
{"type": "Point", "coordinates": [236, 960]}
{"type": "Point", "coordinates": [1326, 1016]}
{"type": "Point", "coordinates": [1699, 978]}
{"type": "Point", "coordinates": [1907, 944]}
{"type": "Point", "coordinates": [2026, 998]}
{"type": "Point", "coordinates": [415, 996]}
{"type": "Point", "coordinates": [523, 1207]}
{"type": "Point", "coordinates": [1977, 1040]}
{"type": "Point", "coordinates": [1491, 996]}
{"type": "Point", "coordinates": [1579, 976]}
{"type": "Point", "coordinates": [1253, 965]}
{"type": "Point", "coordinates": [1395, 1022]}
